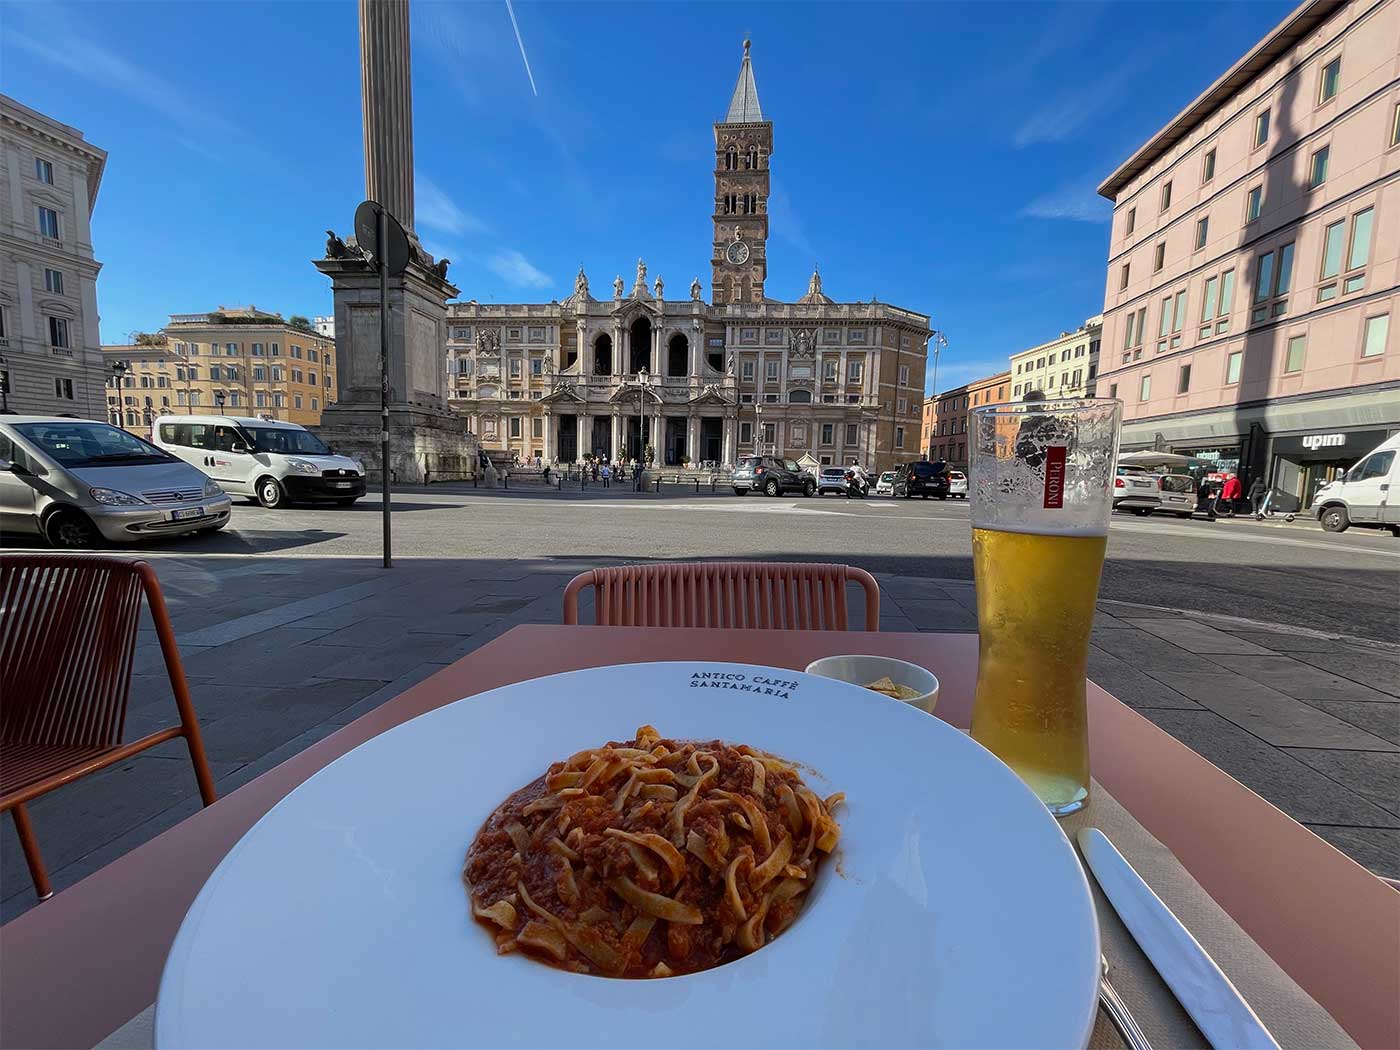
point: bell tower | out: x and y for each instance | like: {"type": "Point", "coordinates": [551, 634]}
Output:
{"type": "Point", "coordinates": [743, 145]}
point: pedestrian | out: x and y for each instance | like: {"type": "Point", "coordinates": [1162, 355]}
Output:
{"type": "Point", "coordinates": [1205, 497]}
{"type": "Point", "coordinates": [1257, 488]}
{"type": "Point", "coordinates": [607, 473]}
{"type": "Point", "coordinates": [1230, 492]}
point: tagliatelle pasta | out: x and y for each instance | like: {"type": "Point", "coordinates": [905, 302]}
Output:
{"type": "Point", "coordinates": [650, 858]}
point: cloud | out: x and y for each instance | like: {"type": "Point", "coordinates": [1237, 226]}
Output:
{"type": "Point", "coordinates": [434, 209]}
{"type": "Point", "coordinates": [1076, 202]}
{"type": "Point", "coordinates": [514, 268]}
{"type": "Point", "coordinates": [1069, 113]}
{"type": "Point", "coordinates": [112, 72]}
{"type": "Point", "coordinates": [785, 223]}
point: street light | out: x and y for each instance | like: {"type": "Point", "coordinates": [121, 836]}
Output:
{"type": "Point", "coordinates": [118, 370]}
{"type": "Point", "coordinates": [757, 426]}
{"type": "Point", "coordinates": [644, 380]}
{"type": "Point", "coordinates": [219, 398]}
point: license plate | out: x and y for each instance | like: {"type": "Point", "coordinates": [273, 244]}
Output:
{"type": "Point", "coordinates": [188, 512]}
{"type": "Point", "coordinates": [342, 484]}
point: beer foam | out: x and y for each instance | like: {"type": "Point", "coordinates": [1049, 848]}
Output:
{"type": "Point", "coordinates": [1042, 528]}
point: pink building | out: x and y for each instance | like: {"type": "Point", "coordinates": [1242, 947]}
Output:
{"type": "Point", "coordinates": [1254, 258]}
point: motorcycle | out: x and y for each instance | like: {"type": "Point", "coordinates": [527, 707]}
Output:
{"type": "Point", "coordinates": [856, 485]}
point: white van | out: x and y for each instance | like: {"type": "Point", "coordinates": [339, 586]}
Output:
{"type": "Point", "coordinates": [1367, 495]}
{"type": "Point", "coordinates": [274, 463]}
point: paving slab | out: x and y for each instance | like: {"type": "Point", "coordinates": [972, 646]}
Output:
{"type": "Point", "coordinates": [1299, 790]}
{"type": "Point", "coordinates": [1269, 714]}
{"type": "Point", "coordinates": [385, 664]}
{"type": "Point", "coordinates": [1280, 642]}
{"type": "Point", "coordinates": [1297, 679]}
{"type": "Point", "coordinates": [1375, 848]}
{"type": "Point", "coordinates": [1197, 637]}
{"type": "Point", "coordinates": [1375, 670]}
{"type": "Point", "coordinates": [1134, 687]}
{"type": "Point", "coordinates": [944, 615]}
{"type": "Point", "coordinates": [1129, 611]}
{"type": "Point", "coordinates": [1144, 651]}
{"type": "Point", "coordinates": [1378, 719]}
{"type": "Point", "coordinates": [278, 715]}
{"type": "Point", "coordinates": [373, 632]}
{"type": "Point", "coordinates": [1372, 774]}
{"type": "Point", "coordinates": [263, 660]}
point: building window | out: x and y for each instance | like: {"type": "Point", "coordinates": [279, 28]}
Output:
{"type": "Point", "coordinates": [1202, 231]}
{"type": "Point", "coordinates": [851, 435]}
{"type": "Point", "coordinates": [297, 377]}
{"type": "Point", "coordinates": [898, 437]}
{"type": "Point", "coordinates": [1137, 324]}
{"type": "Point", "coordinates": [1173, 317]}
{"type": "Point", "coordinates": [230, 349]}
{"type": "Point", "coordinates": [1357, 253]}
{"type": "Point", "coordinates": [1166, 195]}
{"type": "Point", "coordinates": [1183, 379]}
{"type": "Point", "coordinates": [770, 371]}
{"type": "Point", "coordinates": [278, 400]}
{"type": "Point", "coordinates": [1395, 126]}
{"type": "Point", "coordinates": [1329, 81]}
{"type": "Point", "coordinates": [1112, 390]}
{"type": "Point", "coordinates": [537, 366]}
{"type": "Point", "coordinates": [1271, 282]}
{"type": "Point", "coordinates": [515, 368]}
{"type": "Point", "coordinates": [215, 373]}
{"type": "Point", "coordinates": [1144, 388]}
{"type": "Point", "coordinates": [902, 405]}
{"type": "Point", "coordinates": [537, 427]}
{"type": "Point", "coordinates": [48, 223]}
{"type": "Point", "coordinates": [295, 350]}
{"type": "Point", "coordinates": [745, 433]}
{"type": "Point", "coordinates": [1261, 128]}
{"type": "Point", "coordinates": [1254, 204]}
{"type": "Point", "coordinates": [43, 170]}
{"type": "Point", "coordinates": [312, 355]}
{"type": "Point", "coordinates": [829, 366]}
{"type": "Point", "coordinates": [748, 371]}
{"type": "Point", "coordinates": [1318, 173]}
{"type": "Point", "coordinates": [315, 405]}
{"type": "Point", "coordinates": [515, 426]}
{"type": "Point", "coordinates": [58, 333]}
{"type": "Point", "coordinates": [770, 433]}
{"type": "Point", "coordinates": [828, 434]}
{"type": "Point", "coordinates": [1016, 390]}
{"type": "Point", "coordinates": [1293, 356]}
{"type": "Point", "coordinates": [1159, 258]}
{"type": "Point", "coordinates": [903, 375]}
{"type": "Point", "coordinates": [1132, 222]}
{"type": "Point", "coordinates": [53, 281]}
{"type": "Point", "coordinates": [1377, 329]}
{"type": "Point", "coordinates": [854, 371]}
{"type": "Point", "coordinates": [63, 388]}
{"type": "Point", "coordinates": [1123, 277]}
{"type": "Point", "coordinates": [1232, 367]}
{"type": "Point", "coordinates": [276, 350]}
{"type": "Point", "coordinates": [296, 401]}
{"type": "Point", "coordinates": [1208, 167]}
{"type": "Point", "coordinates": [311, 378]}
{"type": "Point", "coordinates": [276, 373]}
{"type": "Point", "coordinates": [259, 374]}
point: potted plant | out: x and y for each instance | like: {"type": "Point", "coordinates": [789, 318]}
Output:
{"type": "Point", "coordinates": [649, 455]}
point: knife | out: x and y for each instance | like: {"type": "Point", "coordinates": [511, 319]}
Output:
{"type": "Point", "coordinates": [1218, 1009]}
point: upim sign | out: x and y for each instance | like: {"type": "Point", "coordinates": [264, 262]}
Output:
{"type": "Point", "coordinates": [1312, 442]}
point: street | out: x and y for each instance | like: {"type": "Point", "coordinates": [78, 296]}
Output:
{"type": "Point", "coordinates": [1268, 648]}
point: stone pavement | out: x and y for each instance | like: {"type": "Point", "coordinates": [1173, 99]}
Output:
{"type": "Point", "coordinates": [278, 657]}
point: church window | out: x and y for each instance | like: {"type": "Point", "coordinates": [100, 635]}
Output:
{"type": "Point", "coordinates": [729, 204]}
{"type": "Point", "coordinates": [602, 355]}
{"type": "Point", "coordinates": [850, 433]}
{"type": "Point", "coordinates": [731, 159]}
{"type": "Point", "coordinates": [828, 433]}
{"type": "Point", "coordinates": [678, 355]}
{"type": "Point", "coordinates": [829, 366]}
{"type": "Point", "coordinates": [748, 371]}
{"type": "Point", "coordinates": [856, 335]}
{"type": "Point", "coordinates": [748, 335]}
{"type": "Point", "coordinates": [770, 371]}
{"type": "Point", "coordinates": [751, 159]}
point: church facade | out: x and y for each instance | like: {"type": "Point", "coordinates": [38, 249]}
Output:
{"type": "Point", "coordinates": [697, 382]}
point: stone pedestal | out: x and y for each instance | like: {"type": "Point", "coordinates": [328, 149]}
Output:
{"type": "Point", "coordinates": [427, 441]}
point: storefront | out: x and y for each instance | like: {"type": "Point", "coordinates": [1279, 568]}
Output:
{"type": "Point", "coordinates": [1301, 463]}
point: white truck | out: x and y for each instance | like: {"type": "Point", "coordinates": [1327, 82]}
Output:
{"type": "Point", "coordinates": [1365, 496]}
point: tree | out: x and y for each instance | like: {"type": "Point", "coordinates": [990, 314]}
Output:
{"type": "Point", "coordinates": [298, 321]}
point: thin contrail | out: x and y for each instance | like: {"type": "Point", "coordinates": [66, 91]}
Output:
{"type": "Point", "coordinates": [523, 57]}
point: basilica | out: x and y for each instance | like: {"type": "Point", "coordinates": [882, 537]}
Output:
{"type": "Point", "coordinates": [696, 382]}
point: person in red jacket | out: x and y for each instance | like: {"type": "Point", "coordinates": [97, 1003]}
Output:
{"type": "Point", "coordinates": [1232, 491]}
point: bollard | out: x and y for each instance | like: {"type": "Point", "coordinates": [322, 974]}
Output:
{"type": "Point", "coordinates": [697, 485]}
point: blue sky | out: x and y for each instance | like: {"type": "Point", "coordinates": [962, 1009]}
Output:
{"type": "Point", "coordinates": [940, 156]}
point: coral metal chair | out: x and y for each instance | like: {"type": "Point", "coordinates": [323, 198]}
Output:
{"type": "Point", "coordinates": [67, 636]}
{"type": "Point", "coordinates": [752, 595]}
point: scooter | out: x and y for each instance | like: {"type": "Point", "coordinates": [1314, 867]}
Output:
{"type": "Point", "coordinates": [854, 485]}
{"type": "Point", "coordinates": [1267, 511]}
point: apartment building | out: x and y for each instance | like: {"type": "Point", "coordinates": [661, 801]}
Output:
{"type": "Point", "coordinates": [50, 350]}
{"type": "Point", "coordinates": [1254, 258]}
{"type": "Point", "coordinates": [1063, 367]}
{"type": "Point", "coordinates": [236, 360]}
{"type": "Point", "coordinates": [946, 417]}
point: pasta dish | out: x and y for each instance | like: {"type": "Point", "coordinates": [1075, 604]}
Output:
{"type": "Point", "coordinates": [650, 858]}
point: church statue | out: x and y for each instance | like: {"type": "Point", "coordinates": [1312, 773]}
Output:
{"type": "Point", "coordinates": [617, 287]}
{"type": "Point", "coordinates": [440, 268]}
{"type": "Point", "coordinates": [659, 286]}
{"type": "Point", "coordinates": [335, 247]}
{"type": "Point", "coordinates": [488, 341]}
{"type": "Point", "coordinates": [581, 284]}
{"type": "Point", "coordinates": [641, 285]}
{"type": "Point", "coordinates": [695, 290]}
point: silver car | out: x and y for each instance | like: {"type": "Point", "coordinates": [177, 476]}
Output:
{"type": "Point", "coordinates": [77, 482]}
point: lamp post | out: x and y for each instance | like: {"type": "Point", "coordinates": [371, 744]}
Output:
{"type": "Point", "coordinates": [939, 341]}
{"type": "Point", "coordinates": [643, 379]}
{"type": "Point", "coordinates": [118, 370]}
{"type": "Point", "coordinates": [757, 427]}
{"type": "Point", "coordinates": [219, 398]}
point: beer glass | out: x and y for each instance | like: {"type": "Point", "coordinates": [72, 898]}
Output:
{"type": "Point", "coordinates": [1041, 492]}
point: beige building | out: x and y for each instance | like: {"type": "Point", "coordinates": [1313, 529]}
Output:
{"type": "Point", "coordinates": [948, 415]}
{"type": "Point", "coordinates": [1254, 258]}
{"type": "Point", "coordinates": [236, 360]}
{"type": "Point", "coordinates": [697, 382]}
{"type": "Point", "coordinates": [1064, 367]}
{"type": "Point", "coordinates": [50, 350]}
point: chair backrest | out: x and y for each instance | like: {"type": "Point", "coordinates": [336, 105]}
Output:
{"type": "Point", "coordinates": [67, 637]}
{"type": "Point", "coordinates": [749, 595]}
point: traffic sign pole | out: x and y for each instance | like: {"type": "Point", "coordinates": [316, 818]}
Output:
{"type": "Point", "coordinates": [382, 261]}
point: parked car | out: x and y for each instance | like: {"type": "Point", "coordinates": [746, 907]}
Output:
{"type": "Point", "coordinates": [1176, 494]}
{"type": "Point", "coordinates": [831, 479]}
{"type": "Point", "coordinates": [957, 484]}
{"type": "Point", "coordinates": [273, 462]}
{"type": "Point", "coordinates": [1136, 490]}
{"type": "Point", "coordinates": [885, 486]}
{"type": "Point", "coordinates": [77, 482]}
{"type": "Point", "coordinates": [771, 475]}
{"type": "Point", "coordinates": [1367, 495]}
{"type": "Point", "coordinates": [921, 479]}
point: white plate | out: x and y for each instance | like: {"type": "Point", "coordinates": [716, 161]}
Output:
{"type": "Point", "coordinates": [957, 914]}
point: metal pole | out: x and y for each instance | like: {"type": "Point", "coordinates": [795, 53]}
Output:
{"type": "Point", "coordinates": [382, 238]}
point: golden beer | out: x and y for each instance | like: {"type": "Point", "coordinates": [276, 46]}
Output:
{"type": "Point", "coordinates": [1035, 608]}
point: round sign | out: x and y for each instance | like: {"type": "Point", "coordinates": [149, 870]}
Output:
{"type": "Point", "coordinates": [395, 253]}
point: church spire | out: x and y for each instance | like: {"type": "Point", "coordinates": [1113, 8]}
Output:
{"type": "Point", "coordinates": [744, 107]}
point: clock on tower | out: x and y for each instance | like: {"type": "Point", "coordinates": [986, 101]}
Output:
{"type": "Point", "coordinates": [743, 145]}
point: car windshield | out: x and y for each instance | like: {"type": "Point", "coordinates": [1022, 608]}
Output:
{"type": "Point", "coordinates": [834, 471]}
{"type": "Point", "coordinates": [285, 439]}
{"type": "Point", "coordinates": [928, 470]}
{"type": "Point", "coordinates": [749, 462]}
{"type": "Point", "coordinates": [887, 476]}
{"type": "Point", "coordinates": [75, 444]}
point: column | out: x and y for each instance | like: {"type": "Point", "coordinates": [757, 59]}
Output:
{"type": "Point", "coordinates": [618, 433]}
{"type": "Point", "coordinates": [548, 436]}
{"type": "Point", "coordinates": [619, 353]}
{"type": "Point", "coordinates": [731, 427]}
{"type": "Point", "coordinates": [386, 99]}
{"type": "Point", "coordinates": [692, 439]}
{"type": "Point", "coordinates": [584, 444]}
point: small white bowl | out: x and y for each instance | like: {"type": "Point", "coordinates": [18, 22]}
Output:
{"type": "Point", "coordinates": [862, 670]}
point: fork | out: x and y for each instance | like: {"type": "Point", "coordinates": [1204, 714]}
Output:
{"type": "Point", "coordinates": [1118, 1011]}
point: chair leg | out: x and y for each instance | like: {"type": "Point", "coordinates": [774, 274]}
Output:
{"type": "Point", "coordinates": [31, 853]}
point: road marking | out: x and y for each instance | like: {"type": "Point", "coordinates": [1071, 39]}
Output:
{"type": "Point", "coordinates": [1243, 537]}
